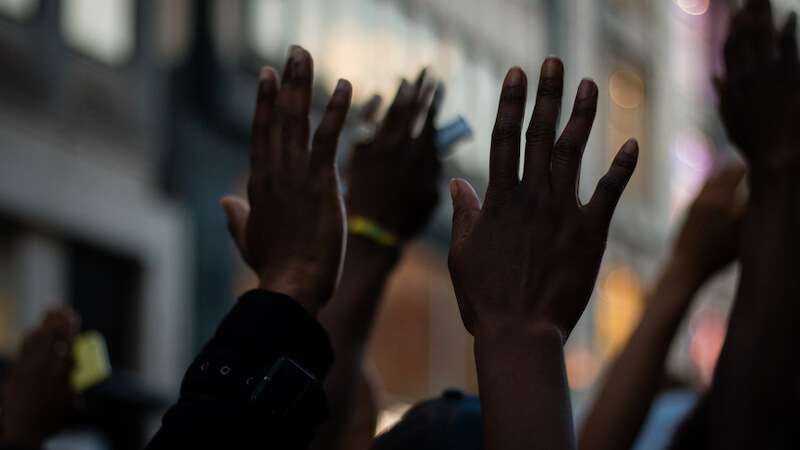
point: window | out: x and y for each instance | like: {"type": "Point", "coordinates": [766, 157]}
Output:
{"type": "Point", "coordinates": [103, 30]}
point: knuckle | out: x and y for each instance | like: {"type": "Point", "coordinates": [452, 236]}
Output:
{"type": "Point", "coordinates": [540, 130]}
{"type": "Point", "coordinates": [611, 185]}
{"type": "Point", "coordinates": [565, 150]}
{"type": "Point", "coordinates": [505, 132]}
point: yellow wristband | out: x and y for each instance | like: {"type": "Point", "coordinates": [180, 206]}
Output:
{"type": "Point", "coordinates": [372, 231]}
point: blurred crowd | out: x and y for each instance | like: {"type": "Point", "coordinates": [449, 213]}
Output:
{"type": "Point", "coordinates": [286, 366]}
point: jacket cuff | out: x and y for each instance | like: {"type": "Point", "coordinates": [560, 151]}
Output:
{"type": "Point", "coordinates": [271, 325]}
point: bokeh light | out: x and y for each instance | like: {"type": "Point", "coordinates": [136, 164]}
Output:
{"type": "Point", "coordinates": [626, 89]}
{"type": "Point", "coordinates": [694, 7]}
{"type": "Point", "coordinates": [583, 367]}
{"type": "Point", "coordinates": [618, 309]}
{"type": "Point", "coordinates": [707, 330]}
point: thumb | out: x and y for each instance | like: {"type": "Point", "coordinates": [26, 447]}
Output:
{"type": "Point", "coordinates": [236, 210]}
{"type": "Point", "coordinates": [466, 208]}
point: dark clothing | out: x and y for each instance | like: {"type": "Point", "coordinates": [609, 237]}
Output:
{"type": "Point", "coordinates": [215, 410]}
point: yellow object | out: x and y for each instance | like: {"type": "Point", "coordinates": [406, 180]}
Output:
{"type": "Point", "coordinates": [370, 230]}
{"type": "Point", "coordinates": [90, 355]}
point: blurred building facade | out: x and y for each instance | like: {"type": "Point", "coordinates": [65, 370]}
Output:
{"type": "Point", "coordinates": [123, 122]}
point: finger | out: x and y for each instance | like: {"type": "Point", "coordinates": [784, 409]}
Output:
{"type": "Point", "coordinates": [466, 208]}
{"type": "Point", "coordinates": [541, 132]}
{"type": "Point", "coordinates": [293, 105]}
{"type": "Point", "coordinates": [504, 153]}
{"type": "Point", "coordinates": [429, 129]}
{"type": "Point", "coordinates": [610, 187]}
{"type": "Point", "coordinates": [237, 210]}
{"type": "Point", "coordinates": [424, 99]}
{"type": "Point", "coordinates": [62, 321]}
{"type": "Point", "coordinates": [735, 51]}
{"type": "Point", "coordinates": [265, 103]}
{"type": "Point", "coordinates": [420, 82]}
{"type": "Point", "coordinates": [369, 112]}
{"type": "Point", "coordinates": [787, 45]}
{"type": "Point", "coordinates": [762, 32]}
{"type": "Point", "coordinates": [397, 121]}
{"type": "Point", "coordinates": [568, 151]}
{"type": "Point", "coordinates": [326, 138]}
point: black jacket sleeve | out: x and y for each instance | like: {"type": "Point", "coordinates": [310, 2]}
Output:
{"type": "Point", "coordinates": [215, 410]}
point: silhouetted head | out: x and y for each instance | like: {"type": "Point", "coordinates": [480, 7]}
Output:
{"type": "Point", "coordinates": [450, 422]}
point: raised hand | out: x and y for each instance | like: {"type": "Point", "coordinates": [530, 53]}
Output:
{"type": "Point", "coordinates": [709, 238]}
{"type": "Point", "coordinates": [36, 395]}
{"type": "Point", "coordinates": [392, 179]}
{"type": "Point", "coordinates": [760, 95]}
{"type": "Point", "coordinates": [530, 256]}
{"type": "Point", "coordinates": [292, 232]}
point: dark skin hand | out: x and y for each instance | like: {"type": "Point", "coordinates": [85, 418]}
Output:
{"type": "Point", "coordinates": [393, 181]}
{"type": "Point", "coordinates": [524, 265]}
{"type": "Point", "coordinates": [36, 396]}
{"type": "Point", "coordinates": [752, 401]}
{"type": "Point", "coordinates": [292, 231]}
{"type": "Point", "coordinates": [759, 102]}
{"type": "Point", "coordinates": [707, 242]}
{"type": "Point", "coordinates": [709, 238]}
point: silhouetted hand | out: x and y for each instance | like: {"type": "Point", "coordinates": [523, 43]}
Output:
{"type": "Point", "coordinates": [529, 257]}
{"type": "Point", "coordinates": [36, 396]}
{"type": "Point", "coordinates": [760, 96]}
{"type": "Point", "coordinates": [709, 238]}
{"type": "Point", "coordinates": [392, 179]}
{"type": "Point", "coordinates": [292, 232]}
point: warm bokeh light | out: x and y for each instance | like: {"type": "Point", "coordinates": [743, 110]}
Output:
{"type": "Point", "coordinates": [694, 7]}
{"type": "Point", "coordinates": [626, 89]}
{"type": "Point", "coordinates": [618, 309]}
{"type": "Point", "coordinates": [583, 367]}
{"type": "Point", "coordinates": [707, 329]}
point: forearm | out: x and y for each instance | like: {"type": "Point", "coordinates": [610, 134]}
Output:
{"type": "Point", "coordinates": [348, 319]}
{"type": "Point", "coordinates": [754, 395]}
{"type": "Point", "coordinates": [624, 400]}
{"type": "Point", "coordinates": [523, 390]}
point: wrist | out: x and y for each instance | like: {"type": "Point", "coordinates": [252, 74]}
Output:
{"type": "Point", "coordinates": [363, 247]}
{"type": "Point", "coordinates": [512, 334]}
{"type": "Point", "coordinates": [683, 272]}
{"type": "Point", "coordinates": [294, 288]}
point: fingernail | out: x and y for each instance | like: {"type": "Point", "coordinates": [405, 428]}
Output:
{"type": "Point", "coordinates": [453, 188]}
{"type": "Point", "coordinates": [630, 147]}
{"type": "Point", "coordinates": [586, 88]}
{"type": "Point", "coordinates": [264, 74]}
{"type": "Point", "coordinates": [341, 84]}
{"type": "Point", "coordinates": [551, 67]}
{"type": "Point", "coordinates": [514, 76]}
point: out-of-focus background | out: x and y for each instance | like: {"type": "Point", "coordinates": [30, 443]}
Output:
{"type": "Point", "coordinates": [123, 122]}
